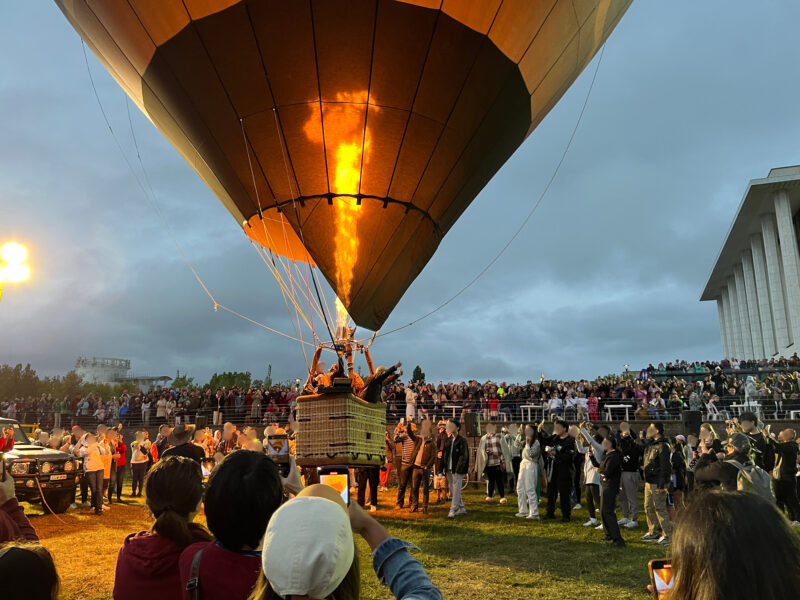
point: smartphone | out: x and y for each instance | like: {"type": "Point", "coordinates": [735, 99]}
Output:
{"type": "Point", "coordinates": [278, 451]}
{"type": "Point", "coordinates": [660, 577]}
{"type": "Point", "coordinates": [338, 478]}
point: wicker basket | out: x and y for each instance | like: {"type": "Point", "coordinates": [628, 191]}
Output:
{"type": "Point", "coordinates": [338, 428]}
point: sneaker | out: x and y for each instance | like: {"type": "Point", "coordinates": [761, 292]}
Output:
{"type": "Point", "coordinates": [85, 505]}
{"type": "Point", "coordinates": [73, 506]}
{"type": "Point", "coordinates": [373, 509]}
{"type": "Point", "coordinates": [451, 515]}
{"type": "Point", "coordinates": [623, 521]}
{"type": "Point", "coordinates": [631, 524]}
{"type": "Point", "coordinates": [503, 501]}
{"type": "Point", "coordinates": [650, 537]}
{"type": "Point", "coordinates": [489, 499]}
{"type": "Point", "coordinates": [795, 523]}
{"type": "Point", "coordinates": [461, 511]}
{"type": "Point", "coordinates": [618, 544]}
{"type": "Point", "coordinates": [600, 526]}
{"type": "Point", "coordinates": [106, 507]}
{"type": "Point", "coordinates": [577, 507]}
{"type": "Point", "coordinates": [532, 517]}
{"type": "Point", "coordinates": [521, 515]}
{"type": "Point", "coordinates": [590, 523]}
{"type": "Point", "coordinates": [663, 541]}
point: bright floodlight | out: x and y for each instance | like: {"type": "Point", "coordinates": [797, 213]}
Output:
{"type": "Point", "coordinates": [13, 253]}
{"type": "Point", "coordinates": [13, 256]}
{"type": "Point", "coordinates": [14, 273]}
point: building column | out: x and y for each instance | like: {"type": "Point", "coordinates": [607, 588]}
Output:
{"type": "Point", "coordinates": [722, 327]}
{"type": "Point", "coordinates": [790, 257]}
{"type": "Point", "coordinates": [736, 322]}
{"type": "Point", "coordinates": [762, 291]}
{"type": "Point", "coordinates": [744, 316]}
{"type": "Point", "coordinates": [772, 255]}
{"type": "Point", "coordinates": [752, 305]}
{"type": "Point", "coordinates": [726, 304]}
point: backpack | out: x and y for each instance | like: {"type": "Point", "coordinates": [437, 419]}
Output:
{"type": "Point", "coordinates": [753, 479]}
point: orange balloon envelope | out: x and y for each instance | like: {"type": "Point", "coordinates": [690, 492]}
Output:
{"type": "Point", "coordinates": [347, 133]}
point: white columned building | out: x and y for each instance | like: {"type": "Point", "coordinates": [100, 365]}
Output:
{"type": "Point", "coordinates": [755, 281]}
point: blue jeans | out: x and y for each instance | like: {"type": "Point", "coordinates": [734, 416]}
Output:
{"type": "Point", "coordinates": [404, 575]}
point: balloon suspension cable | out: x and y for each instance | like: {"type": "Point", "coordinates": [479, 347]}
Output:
{"type": "Point", "coordinates": [154, 204]}
{"type": "Point", "coordinates": [524, 223]}
{"type": "Point", "coordinates": [299, 222]}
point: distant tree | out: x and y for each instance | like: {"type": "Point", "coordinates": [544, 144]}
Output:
{"type": "Point", "coordinates": [230, 379]}
{"type": "Point", "coordinates": [182, 381]}
{"type": "Point", "coordinates": [417, 375]}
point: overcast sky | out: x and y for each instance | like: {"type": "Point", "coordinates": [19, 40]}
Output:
{"type": "Point", "coordinates": [692, 100]}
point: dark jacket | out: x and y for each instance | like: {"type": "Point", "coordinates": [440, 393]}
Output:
{"type": "Point", "coordinates": [630, 452]}
{"type": "Point", "coordinates": [764, 456]}
{"type": "Point", "coordinates": [785, 461]}
{"type": "Point", "coordinates": [710, 472]}
{"type": "Point", "coordinates": [610, 469]}
{"type": "Point", "coordinates": [564, 460]}
{"type": "Point", "coordinates": [457, 447]}
{"type": "Point", "coordinates": [657, 465]}
{"type": "Point", "coordinates": [429, 452]}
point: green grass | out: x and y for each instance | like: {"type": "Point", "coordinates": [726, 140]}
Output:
{"type": "Point", "coordinates": [489, 553]}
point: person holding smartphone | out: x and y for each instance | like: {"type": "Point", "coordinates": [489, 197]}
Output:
{"type": "Point", "coordinates": [729, 545]}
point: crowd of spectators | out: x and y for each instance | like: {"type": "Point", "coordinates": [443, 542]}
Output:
{"type": "Point", "coordinates": [253, 547]}
{"type": "Point", "coordinates": [718, 390]}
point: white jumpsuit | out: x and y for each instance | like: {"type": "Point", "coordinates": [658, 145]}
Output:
{"type": "Point", "coordinates": [527, 499]}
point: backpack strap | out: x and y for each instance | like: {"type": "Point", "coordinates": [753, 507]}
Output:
{"type": "Point", "coordinates": [193, 585]}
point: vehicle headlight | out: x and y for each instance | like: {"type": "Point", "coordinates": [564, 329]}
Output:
{"type": "Point", "coordinates": [69, 466]}
{"type": "Point", "coordinates": [19, 468]}
{"type": "Point", "coordinates": [45, 468]}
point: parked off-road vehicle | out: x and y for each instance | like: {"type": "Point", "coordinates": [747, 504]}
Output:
{"type": "Point", "coordinates": [41, 472]}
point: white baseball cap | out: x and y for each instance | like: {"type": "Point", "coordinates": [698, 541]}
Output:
{"type": "Point", "coordinates": [308, 548]}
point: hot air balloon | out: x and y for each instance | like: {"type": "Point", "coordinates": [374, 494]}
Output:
{"type": "Point", "coordinates": [347, 134]}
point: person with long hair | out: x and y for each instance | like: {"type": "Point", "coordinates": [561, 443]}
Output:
{"type": "Point", "coordinates": [242, 494]}
{"type": "Point", "coordinates": [734, 545]}
{"type": "Point", "coordinates": [529, 469]}
{"type": "Point", "coordinates": [309, 552]}
{"type": "Point", "coordinates": [147, 564]}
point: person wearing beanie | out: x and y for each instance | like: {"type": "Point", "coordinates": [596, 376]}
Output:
{"type": "Point", "coordinates": [309, 552]}
{"type": "Point", "coordinates": [710, 472]}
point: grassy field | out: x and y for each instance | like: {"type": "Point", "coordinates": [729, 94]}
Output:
{"type": "Point", "coordinates": [486, 554]}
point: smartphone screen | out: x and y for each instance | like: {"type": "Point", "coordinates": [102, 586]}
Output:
{"type": "Point", "coordinates": [278, 445]}
{"type": "Point", "coordinates": [661, 577]}
{"type": "Point", "coordinates": [338, 478]}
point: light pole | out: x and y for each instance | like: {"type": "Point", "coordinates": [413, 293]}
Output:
{"type": "Point", "coordinates": [12, 267]}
